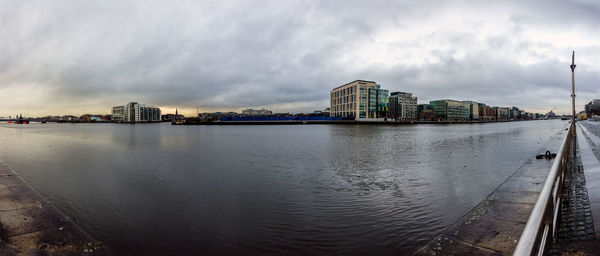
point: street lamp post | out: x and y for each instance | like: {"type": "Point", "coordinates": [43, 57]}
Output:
{"type": "Point", "coordinates": [573, 85]}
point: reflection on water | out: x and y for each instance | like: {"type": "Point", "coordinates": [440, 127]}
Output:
{"type": "Point", "coordinates": [317, 189]}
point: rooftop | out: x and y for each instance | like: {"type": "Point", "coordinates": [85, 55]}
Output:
{"type": "Point", "coordinates": [364, 81]}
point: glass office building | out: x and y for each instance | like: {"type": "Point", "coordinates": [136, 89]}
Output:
{"type": "Point", "coordinates": [378, 102]}
{"type": "Point", "coordinates": [451, 110]}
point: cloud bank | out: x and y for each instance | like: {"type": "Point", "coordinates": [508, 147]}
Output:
{"type": "Point", "coordinates": [63, 57]}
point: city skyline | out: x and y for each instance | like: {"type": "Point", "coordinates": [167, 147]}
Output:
{"type": "Point", "coordinates": [68, 57]}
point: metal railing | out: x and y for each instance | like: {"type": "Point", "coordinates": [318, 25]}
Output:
{"type": "Point", "coordinates": [540, 230]}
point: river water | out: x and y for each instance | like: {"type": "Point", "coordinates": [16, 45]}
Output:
{"type": "Point", "coordinates": [152, 189]}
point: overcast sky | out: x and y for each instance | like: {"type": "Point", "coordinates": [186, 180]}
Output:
{"type": "Point", "coordinates": [75, 57]}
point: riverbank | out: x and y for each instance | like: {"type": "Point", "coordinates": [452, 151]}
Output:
{"type": "Point", "coordinates": [494, 226]}
{"type": "Point", "coordinates": [32, 226]}
{"type": "Point", "coordinates": [344, 122]}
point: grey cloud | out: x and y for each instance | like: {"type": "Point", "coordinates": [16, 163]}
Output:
{"type": "Point", "coordinates": [233, 54]}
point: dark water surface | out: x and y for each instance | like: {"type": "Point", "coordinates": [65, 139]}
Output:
{"type": "Point", "coordinates": [313, 189]}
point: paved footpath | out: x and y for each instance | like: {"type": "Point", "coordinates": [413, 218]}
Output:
{"type": "Point", "coordinates": [588, 164]}
{"type": "Point", "coordinates": [589, 141]}
{"type": "Point", "coordinates": [577, 226]}
{"type": "Point", "coordinates": [32, 226]}
{"type": "Point", "coordinates": [494, 226]}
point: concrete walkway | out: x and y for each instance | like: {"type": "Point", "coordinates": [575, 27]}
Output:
{"type": "Point", "coordinates": [587, 165]}
{"type": "Point", "coordinates": [31, 226]}
{"type": "Point", "coordinates": [588, 138]}
{"type": "Point", "coordinates": [589, 144]}
{"type": "Point", "coordinates": [494, 226]}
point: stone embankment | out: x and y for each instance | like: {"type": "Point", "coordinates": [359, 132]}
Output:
{"type": "Point", "coordinates": [32, 226]}
{"type": "Point", "coordinates": [494, 226]}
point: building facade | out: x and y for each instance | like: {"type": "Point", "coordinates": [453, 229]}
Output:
{"type": "Point", "coordinates": [425, 113]}
{"type": "Point", "coordinates": [473, 110]}
{"type": "Point", "coordinates": [402, 106]}
{"type": "Point", "coordinates": [256, 112]}
{"type": "Point", "coordinates": [134, 112]}
{"type": "Point", "coordinates": [450, 110]}
{"type": "Point", "coordinates": [502, 114]}
{"type": "Point", "coordinates": [516, 113]}
{"type": "Point", "coordinates": [118, 113]}
{"type": "Point", "coordinates": [593, 107]}
{"type": "Point", "coordinates": [378, 102]}
{"type": "Point", "coordinates": [359, 99]}
{"type": "Point", "coordinates": [486, 113]}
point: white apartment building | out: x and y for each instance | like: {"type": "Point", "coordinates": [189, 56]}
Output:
{"type": "Point", "coordinates": [134, 112]}
{"type": "Point", "coordinates": [352, 99]}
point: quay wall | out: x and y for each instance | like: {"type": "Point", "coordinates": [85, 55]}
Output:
{"type": "Point", "coordinates": [342, 122]}
{"type": "Point", "coordinates": [30, 225]}
{"type": "Point", "coordinates": [494, 226]}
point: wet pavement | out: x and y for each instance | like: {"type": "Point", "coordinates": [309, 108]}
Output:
{"type": "Point", "coordinates": [32, 226]}
{"type": "Point", "coordinates": [578, 228]}
{"type": "Point", "coordinates": [576, 225]}
{"type": "Point", "coordinates": [590, 155]}
{"type": "Point", "coordinates": [494, 226]}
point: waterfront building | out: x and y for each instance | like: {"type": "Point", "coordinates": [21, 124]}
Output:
{"type": "Point", "coordinates": [502, 113]}
{"type": "Point", "coordinates": [593, 107]}
{"type": "Point", "coordinates": [486, 113]}
{"type": "Point", "coordinates": [402, 106]}
{"type": "Point", "coordinates": [421, 108]}
{"type": "Point", "coordinates": [68, 118]}
{"type": "Point", "coordinates": [515, 114]}
{"type": "Point", "coordinates": [172, 117]}
{"type": "Point", "coordinates": [450, 110]}
{"type": "Point", "coordinates": [135, 112]}
{"type": "Point", "coordinates": [531, 116]}
{"type": "Point", "coordinates": [256, 112]}
{"type": "Point", "coordinates": [118, 113]}
{"type": "Point", "coordinates": [378, 102]}
{"type": "Point", "coordinates": [425, 113]}
{"type": "Point", "coordinates": [507, 113]}
{"type": "Point", "coordinates": [324, 112]}
{"type": "Point", "coordinates": [216, 116]}
{"type": "Point", "coordinates": [473, 109]}
{"type": "Point", "coordinates": [359, 99]}
{"type": "Point", "coordinates": [93, 118]}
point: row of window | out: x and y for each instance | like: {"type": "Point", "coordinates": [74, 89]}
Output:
{"type": "Point", "coordinates": [344, 92]}
{"type": "Point", "coordinates": [344, 99]}
{"type": "Point", "coordinates": [361, 114]}
{"type": "Point", "coordinates": [345, 107]}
